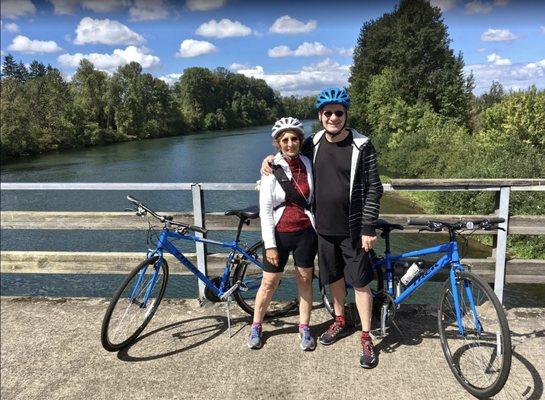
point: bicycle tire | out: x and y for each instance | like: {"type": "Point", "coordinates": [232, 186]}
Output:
{"type": "Point", "coordinates": [484, 347]}
{"type": "Point", "coordinates": [249, 274]}
{"type": "Point", "coordinates": [111, 336]}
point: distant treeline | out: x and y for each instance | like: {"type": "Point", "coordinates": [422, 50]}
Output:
{"type": "Point", "coordinates": [41, 111]}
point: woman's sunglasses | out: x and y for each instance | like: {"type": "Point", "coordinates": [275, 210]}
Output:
{"type": "Point", "coordinates": [337, 113]}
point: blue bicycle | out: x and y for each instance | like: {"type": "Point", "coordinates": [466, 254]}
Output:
{"type": "Point", "coordinates": [472, 325]}
{"type": "Point", "coordinates": [137, 299]}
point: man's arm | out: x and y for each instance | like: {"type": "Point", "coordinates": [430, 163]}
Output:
{"type": "Point", "coordinates": [371, 202]}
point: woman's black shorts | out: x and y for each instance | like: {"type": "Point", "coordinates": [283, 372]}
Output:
{"type": "Point", "coordinates": [339, 256]}
{"type": "Point", "coordinates": [303, 244]}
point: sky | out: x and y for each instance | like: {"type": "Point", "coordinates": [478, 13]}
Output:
{"type": "Point", "coordinates": [298, 47]}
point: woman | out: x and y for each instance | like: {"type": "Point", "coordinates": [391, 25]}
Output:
{"type": "Point", "coordinates": [287, 226]}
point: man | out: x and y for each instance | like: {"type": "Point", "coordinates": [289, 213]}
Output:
{"type": "Point", "coordinates": [347, 202]}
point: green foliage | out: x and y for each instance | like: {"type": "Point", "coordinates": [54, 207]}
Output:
{"type": "Point", "coordinates": [220, 99]}
{"type": "Point", "coordinates": [412, 43]}
{"type": "Point", "coordinates": [41, 112]}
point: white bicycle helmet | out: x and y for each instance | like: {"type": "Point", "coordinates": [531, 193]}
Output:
{"type": "Point", "coordinates": [287, 124]}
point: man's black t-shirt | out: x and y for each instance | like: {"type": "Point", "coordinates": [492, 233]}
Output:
{"type": "Point", "coordinates": [332, 189]}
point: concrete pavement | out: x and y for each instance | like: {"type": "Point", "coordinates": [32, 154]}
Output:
{"type": "Point", "coordinates": [50, 349]}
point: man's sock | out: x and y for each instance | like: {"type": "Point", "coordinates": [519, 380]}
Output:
{"type": "Point", "coordinates": [340, 319]}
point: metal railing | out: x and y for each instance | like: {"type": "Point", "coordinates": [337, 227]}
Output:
{"type": "Point", "coordinates": [523, 270]}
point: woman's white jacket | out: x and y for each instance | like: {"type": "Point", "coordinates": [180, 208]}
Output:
{"type": "Point", "coordinates": [271, 195]}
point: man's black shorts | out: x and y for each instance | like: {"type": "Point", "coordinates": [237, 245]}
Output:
{"type": "Point", "coordinates": [339, 256]}
{"type": "Point", "coordinates": [303, 244]}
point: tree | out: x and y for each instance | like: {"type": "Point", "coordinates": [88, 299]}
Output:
{"type": "Point", "coordinates": [37, 69]}
{"type": "Point", "coordinates": [9, 67]}
{"type": "Point", "coordinates": [413, 42]}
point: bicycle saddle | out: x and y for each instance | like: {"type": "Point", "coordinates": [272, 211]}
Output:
{"type": "Point", "coordinates": [251, 212]}
{"type": "Point", "coordinates": [386, 226]}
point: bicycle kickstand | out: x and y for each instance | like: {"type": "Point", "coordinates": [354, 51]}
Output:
{"type": "Point", "coordinates": [229, 316]}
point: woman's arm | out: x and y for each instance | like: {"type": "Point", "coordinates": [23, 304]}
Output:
{"type": "Point", "coordinates": [266, 210]}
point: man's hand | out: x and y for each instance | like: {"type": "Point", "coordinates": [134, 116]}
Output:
{"type": "Point", "coordinates": [272, 256]}
{"type": "Point", "coordinates": [265, 165]}
{"type": "Point", "coordinates": [367, 242]}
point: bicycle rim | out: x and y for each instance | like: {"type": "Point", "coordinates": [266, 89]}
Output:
{"type": "Point", "coordinates": [480, 358]}
{"type": "Point", "coordinates": [250, 275]}
{"type": "Point", "coordinates": [134, 304]}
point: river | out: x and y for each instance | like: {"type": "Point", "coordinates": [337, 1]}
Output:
{"type": "Point", "coordinates": [215, 156]}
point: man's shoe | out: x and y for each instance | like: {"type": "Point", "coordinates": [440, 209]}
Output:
{"type": "Point", "coordinates": [368, 357]}
{"type": "Point", "coordinates": [255, 339]}
{"type": "Point", "coordinates": [307, 341]}
{"type": "Point", "coordinates": [335, 332]}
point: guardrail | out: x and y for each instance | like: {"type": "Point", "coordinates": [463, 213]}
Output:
{"type": "Point", "coordinates": [496, 269]}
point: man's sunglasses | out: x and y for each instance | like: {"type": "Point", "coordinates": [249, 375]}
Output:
{"type": "Point", "coordinates": [337, 113]}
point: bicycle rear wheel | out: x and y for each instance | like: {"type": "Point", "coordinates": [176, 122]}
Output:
{"type": "Point", "coordinates": [250, 275]}
{"type": "Point", "coordinates": [480, 359]}
{"type": "Point", "coordinates": [134, 304]}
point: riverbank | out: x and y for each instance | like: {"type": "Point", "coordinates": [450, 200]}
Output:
{"type": "Point", "coordinates": [51, 349]}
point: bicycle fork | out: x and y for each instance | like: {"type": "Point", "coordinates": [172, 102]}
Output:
{"type": "Point", "coordinates": [457, 296]}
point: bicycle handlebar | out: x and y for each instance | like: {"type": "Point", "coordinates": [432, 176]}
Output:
{"type": "Point", "coordinates": [164, 218]}
{"type": "Point", "coordinates": [486, 224]}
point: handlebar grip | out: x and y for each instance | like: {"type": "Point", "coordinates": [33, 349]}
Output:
{"type": "Point", "coordinates": [418, 222]}
{"type": "Point", "coordinates": [496, 220]}
{"type": "Point", "coordinates": [198, 229]}
{"type": "Point", "coordinates": [133, 200]}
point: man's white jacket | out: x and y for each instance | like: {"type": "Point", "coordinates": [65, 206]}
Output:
{"type": "Point", "coordinates": [271, 195]}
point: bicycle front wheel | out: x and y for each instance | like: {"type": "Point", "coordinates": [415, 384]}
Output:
{"type": "Point", "coordinates": [480, 356]}
{"type": "Point", "coordinates": [250, 275]}
{"type": "Point", "coordinates": [134, 304]}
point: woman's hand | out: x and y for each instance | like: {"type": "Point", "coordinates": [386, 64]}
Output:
{"type": "Point", "coordinates": [367, 242]}
{"type": "Point", "coordinates": [272, 256]}
{"type": "Point", "coordinates": [265, 165]}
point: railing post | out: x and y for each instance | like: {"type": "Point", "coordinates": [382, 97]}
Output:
{"type": "Point", "coordinates": [500, 242]}
{"type": "Point", "coordinates": [198, 219]}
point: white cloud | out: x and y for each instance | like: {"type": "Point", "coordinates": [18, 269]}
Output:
{"type": "Point", "coordinates": [497, 60]}
{"type": "Point", "coordinates": [280, 51]}
{"type": "Point", "coordinates": [444, 5]}
{"type": "Point", "coordinates": [346, 52]}
{"type": "Point", "coordinates": [307, 81]}
{"type": "Point", "coordinates": [484, 7]}
{"type": "Point", "coordinates": [11, 27]}
{"type": "Point", "coordinates": [223, 29]}
{"type": "Point", "coordinates": [312, 49]}
{"type": "Point", "coordinates": [64, 6]}
{"type": "Point", "coordinates": [498, 35]}
{"type": "Point", "coordinates": [110, 62]}
{"type": "Point", "coordinates": [148, 10]}
{"type": "Point", "coordinates": [512, 77]}
{"type": "Point", "coordinates": [194, 48]}
{"type": "Point", "coordinates": [170, 79]}
{"type": "Point", "coordinates": [25, 45]}
{"type": "Point", "coordinates": [478, 7]}
{"type": "Point", "coordinates": [17, 8]}
{"type": "Point", "coordinates": [204, 5]}
{"type": "Point", "coordinates": [105, 31]}
{"type": "Point", "coordinates": [481, 49]}
{"type": "Point", "coordinates": [542, 28]}
{"type": "Point", "coordinates": [287, 24]}
{"type": "Point", "coordinates": [104, 6]}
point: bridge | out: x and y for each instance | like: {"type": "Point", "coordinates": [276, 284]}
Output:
{"type": "Point", "coordinates": [50, 347]}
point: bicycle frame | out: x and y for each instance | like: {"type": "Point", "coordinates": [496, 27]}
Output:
{"type": "Point", "coordinates": [163, 245]}
{"type": "Point", "coordinates": [451, 257]}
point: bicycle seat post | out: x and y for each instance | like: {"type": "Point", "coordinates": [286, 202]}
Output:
{"type": "Point", "coordinates": [239, 229]}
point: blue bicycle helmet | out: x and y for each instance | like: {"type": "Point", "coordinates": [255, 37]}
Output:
{"type": "Point", "coordinates": [333, 95]}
